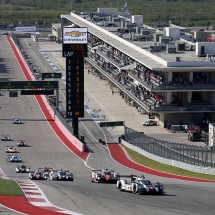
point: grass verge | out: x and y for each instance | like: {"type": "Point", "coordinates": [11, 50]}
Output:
{"type": "Point", "coordinates": [164, 167]}
{"type": "Point", "coordinates": [10, 188]}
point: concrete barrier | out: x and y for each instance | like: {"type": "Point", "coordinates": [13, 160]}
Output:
{"type": "Point", "coordinates": [193, 168]}
{"type": "Point", "coordinates": [77, 143]}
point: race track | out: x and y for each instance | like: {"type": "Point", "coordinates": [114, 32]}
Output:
{"type": "Point", "coordinates": [82, 196]}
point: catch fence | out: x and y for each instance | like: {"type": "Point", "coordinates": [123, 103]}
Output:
{"type": "Point", "coordinates": [190, 154]}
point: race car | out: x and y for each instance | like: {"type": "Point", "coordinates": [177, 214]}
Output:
{"type": "Point", "coordinates": [13, 158]}
{"type": "Point", "coordinates": [46, 170]}
{"type": "Point", "coordinates": [21, 143]}
{"type": "Point", "coordinates": [140, 185]}
{"type": "Point", "coordinates": [104, 175]}
{"type": "Point", "coordinates": [5, 138]}
{"type": "Point", "coordinates": [10, 149]}
{"type": "Point", "coordinates": [38, 174]}
{"type": "Point", "coordinates": [22, 169]}
{"type": "Point", "coordinates": [16, 121]}
{"type": "Point", "coordinates": [61, 175]}
{"type": "Point", "coordinates": [150, 123]}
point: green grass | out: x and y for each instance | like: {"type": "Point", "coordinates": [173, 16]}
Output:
{"type": "Point", "coordinates": [10, 188]}
{"type": "Point", "coordinates": [164, 167]}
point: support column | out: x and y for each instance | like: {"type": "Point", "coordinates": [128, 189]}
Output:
{"type": "Point", "coordinates": [168, 97]}
{"type": "Point", "coordinates": [75, 126]}
{"type": "Point", "coordinates": [189, 96]}
{"type": "Point", "coordinates": [169, 76]}
{"type": "Point", "coordinates": [191, 77]}
{"type": "Point", "coordinates": [57, 99]}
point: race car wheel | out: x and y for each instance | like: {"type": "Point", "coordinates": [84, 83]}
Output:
{"type": "Point", "coordinates": [135, 189]}
{"type": "Point", "coordinates": [120, 186]}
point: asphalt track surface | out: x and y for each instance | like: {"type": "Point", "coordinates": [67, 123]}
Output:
{"type": "Point", "coordinates": [82, 196]}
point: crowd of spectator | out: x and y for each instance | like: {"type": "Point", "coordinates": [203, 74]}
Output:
{"type": "Point", "coordinates": [145, 75]}
{"type": "Point", "coordinates": [201, 78]}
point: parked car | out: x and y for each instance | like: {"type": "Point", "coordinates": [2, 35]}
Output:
{"type": "Point", "coordinates": [150, 123]}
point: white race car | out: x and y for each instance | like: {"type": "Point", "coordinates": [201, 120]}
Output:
{"type": "Point", "coordinates": [16, 121]}
{"type": "Point", "coordinates": [140, 185]}
{"type": "Point", "coordinates": [5, 138]}
{"type": "Point", "coordinates": [22, 169]}
{"type": "Point", "coordinates": [61, 175]}
{"type": "Point", "coordinates": [10, 149]}
{"type": "Point", "coordinates": [104, 175]}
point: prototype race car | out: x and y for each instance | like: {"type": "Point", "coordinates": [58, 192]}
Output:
{"type": "Point", "coordinates": [21, 143]}
{"type": "Point", "coordinates": [46, 170]}
{"type": "Point", "coordinates": [13, 158]}
{"type": "Point", "coordinates": [104, 175]}
{"type": "Point", "coordinates": [61, 175]}
{"type": "Point", "coordinates": [16, 121]}
{"type": "Point", "coordinates": [150, 123]}
{"type": "Point", "coordinates": [140, 185]}
{"type": "Point", "coordinates": [22, 169]}
{"type": "Point", "coordinates": [5, 138]}
{"type": "Point", "coordinates": [38, 174]}
{"type": "Point", "coordinates": [10, 149]}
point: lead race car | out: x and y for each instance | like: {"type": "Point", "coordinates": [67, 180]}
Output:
{"type": "Point", "coordinates": [13, 158]}
{"type": "Point", "coordinates": [140, 185]}
{"type": "Point", "coordinates": [104, 175]}
{"type": "Point", "coordinates": [61, 175]}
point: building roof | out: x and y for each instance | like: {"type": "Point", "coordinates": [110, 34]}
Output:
{"type": "Point", "coordinates": [160, 61]}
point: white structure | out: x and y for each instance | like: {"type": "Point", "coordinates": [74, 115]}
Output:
{"type": "Point", "coordinates": [211, 141]}
{"type": "Point", "coordinates": [172, 32]}
{"type": "Point", "coordinates": [205, 48]}
{"type": "Point", "coordinates": [137, 19]}
{"type": "Point", "coordinates": [108, 11]}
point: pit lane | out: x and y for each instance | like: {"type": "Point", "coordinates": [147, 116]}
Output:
{"type": "Point", "coordinates": [82, 196]}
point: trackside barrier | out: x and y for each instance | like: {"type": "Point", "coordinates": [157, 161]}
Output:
{"type": "Point", "coordinates": [189, 167]}
{"type": "Point", "coordinates": [78, 144]}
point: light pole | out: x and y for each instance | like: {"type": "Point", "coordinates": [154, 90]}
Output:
{"type": "Point", "coordinates": [199, 12]}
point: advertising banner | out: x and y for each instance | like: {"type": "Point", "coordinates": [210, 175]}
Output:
{"type": "Point", "coordinates": [26, 28]}
{"type": "Point", "coordinates": [74, 35]}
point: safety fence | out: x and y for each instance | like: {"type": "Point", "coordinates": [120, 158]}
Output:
{"type": "Point", "coordinates": [190, 154]}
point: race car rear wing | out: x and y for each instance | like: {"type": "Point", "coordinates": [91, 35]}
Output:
{"type": "Point", "coordinates": [46, 167]}
{"type": "Point", "coordinates": [59, 170]}
{"type": "Point", "coordinates": [95, 170]}
{"type": "Point", "coordinates": [133, 177]}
